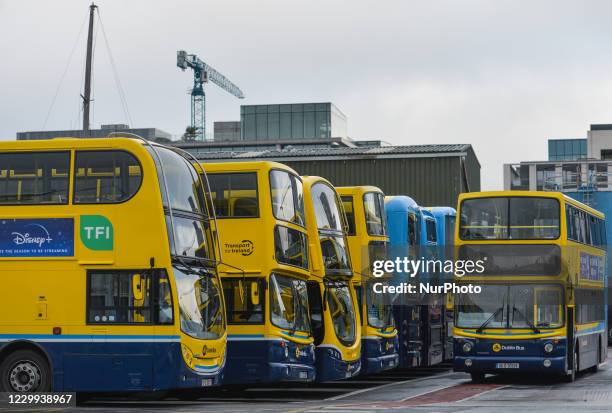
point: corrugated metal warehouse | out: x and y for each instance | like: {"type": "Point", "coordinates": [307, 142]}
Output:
{"type": "Point", "coordinates": [430, 174]}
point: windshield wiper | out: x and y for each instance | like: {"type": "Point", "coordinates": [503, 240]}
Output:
{"type": "Point", "coordinates": [488, 320]}
{"type": "Point", "coordinates": [529, 323]}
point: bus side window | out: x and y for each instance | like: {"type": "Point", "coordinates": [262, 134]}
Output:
{"type": "Point", "coordinates": [234, 194]}
{"type": "Point", "coordinates": [34, 178]}
{"type": "Point", "coordinates": [105, 177]}
{"type": "Point", "coordinates": [347, 203]}
{"type": "Point", "coordinates": [127, 297]}
{"type": "Point", "coordinates": [430, 225]}
{"type": "Point", "coordinates": [243, 300]}
{"type": "Point", "coordinates": [412, 236]}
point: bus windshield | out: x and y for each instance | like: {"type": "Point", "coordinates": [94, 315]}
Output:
{"type": "Point", "coordinates": [289, 303]}
{"type": "Point", "coordinates": [330, 225]}
{"type": "Point", "coordinates": [342, 312]}
{"type": "Point", "coordinates": [184, 205]}
{"type": "Point", "coordinates": [379, 308]}
{"type": "Point", "coordinates": [287, 197]}
{"type": "Point", "coordinates": [374, 207]}
{"type": "Point", "coordinates": [524, 306]}
{"type": "Point", "coordinates": [509, 218]}
{"type": "Point", "coordinates": [200, 304]}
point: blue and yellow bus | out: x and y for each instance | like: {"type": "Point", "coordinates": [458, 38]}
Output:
{"type": "Point", "coordinates": [404, 229]}
{"type": "Point", "coordinates": [108, 263]}
{"type": "Point", "coordinates": [446, 218]}
{"type": "Point", "coordinates": [542, 304]}
{"type": "Point", "coordinates": [260, 214]}
{"type": "Point", "coordinates": [367, 240]}
{"type": "Point", "coordinates": [432, 310]}
{"type": "Point", "coordinates": [331, 295]}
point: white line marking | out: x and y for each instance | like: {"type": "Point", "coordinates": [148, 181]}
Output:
{"type": "Point", "coordinates": [356, 392]}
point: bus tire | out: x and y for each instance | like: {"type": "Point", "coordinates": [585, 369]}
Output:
{"type": "Point", "coordinates": [571, 377]}
{"type": "Point", "coordinates": [595, 368]}
{"type": "Point", "coordinates": [477, 377]}
{"type": "Point", "coordinates": [25, 371]}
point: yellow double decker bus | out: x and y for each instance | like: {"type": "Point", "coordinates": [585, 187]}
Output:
{"type": "Point", "coordinates": [331, 294]}
{"type": "Point", "coordinates": [260, 213]}
{"type": "Point", "coordinates": [541, 304]}
{"type": "Point", "coordinates": [108, 267]}
{"type": "Point", "coordinates": [364, 207]}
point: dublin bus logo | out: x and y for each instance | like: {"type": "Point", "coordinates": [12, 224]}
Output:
{"type": "Point", "coordinates": [26, 238]}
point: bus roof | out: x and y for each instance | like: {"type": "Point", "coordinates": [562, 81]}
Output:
{"type": "Point", "coordinates": [245, 166]}
{"type": "Point", "coordinates": [426, 212]}
{"type": "Point", "coordinates": [312, 179]}
{"type": "Point", "coordinates": [69, 143]}
{"type": "Point", "coordinates": [357, 189]}
{"type": "Point", "coordinates": [535, 194]}
{"type": "Point", "coordinates": [400, 203]}
{"type": "Point", "coordinates": [442, 211]}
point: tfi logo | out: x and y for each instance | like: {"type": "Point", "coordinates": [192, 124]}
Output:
{"type": "Point", "coordinates": [27, 238]}
{"type": "Point", "coordinates": [97, 232]}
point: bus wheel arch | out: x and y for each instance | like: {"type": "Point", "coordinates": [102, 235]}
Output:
{"type": "Point", "coordinates": [31, 360]}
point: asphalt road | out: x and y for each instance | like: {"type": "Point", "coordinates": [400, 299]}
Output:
{"type": "Point", "coordinates": [415, 390]}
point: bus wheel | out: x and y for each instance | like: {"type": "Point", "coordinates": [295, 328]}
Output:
{"type": "Point", "coordinates": [571, 377]}
{"type": "Point", "coordinates": [477, 377]}
{"type": "Point", "coordinates": [25, 371]}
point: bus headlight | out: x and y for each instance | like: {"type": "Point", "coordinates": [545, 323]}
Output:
{"type": "Point", "coordinates": [467, 347]}
{"type": "Point", "coordinates": [468, 362]}
{"type": "Point", "coordinates": [548, 348]}
{"type": "Point", "coordinates": [547, 363]}
{"type": "Point", "coordinates": [285, 348]}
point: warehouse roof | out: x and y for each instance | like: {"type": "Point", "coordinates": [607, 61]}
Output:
{"type": "Point", "coordinates": [406, 151]}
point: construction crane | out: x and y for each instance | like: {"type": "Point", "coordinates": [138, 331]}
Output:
{"type": "Point", "coordinates": [202, 73]}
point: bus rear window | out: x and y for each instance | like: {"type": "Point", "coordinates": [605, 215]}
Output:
{"type": "Point", "coordinates": [34, 178]}
{"type": "Point", "coordinates": [105, 177]}
{"type": "Point", "coordinates": [509, 218]}
{"type": "Point", "coordinates": [234, 194]}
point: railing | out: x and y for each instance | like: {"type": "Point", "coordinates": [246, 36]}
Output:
{"type": "Point", "coordinates": [576, 181]}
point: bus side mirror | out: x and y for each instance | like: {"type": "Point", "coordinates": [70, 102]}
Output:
{"type": "Point", "coordinates": [254, 293]}
{"type": "Point", "coordinates": [137, 291]}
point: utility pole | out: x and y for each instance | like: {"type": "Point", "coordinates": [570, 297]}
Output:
{"type": "Point", "coordinates": [87, 91]}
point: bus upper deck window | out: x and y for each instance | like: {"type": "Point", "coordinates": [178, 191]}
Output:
{"type": "Point", "coordinates": [34, 178]}
{"type": "Point", "coordinates": [106, 177]}
{"type": "Point", "coordinates": [234, 194]}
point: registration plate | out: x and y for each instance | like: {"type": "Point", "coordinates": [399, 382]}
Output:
{"type": "Point", "coordinates": [303, 374]}
{"type": "Point", "coordinates": [207, 382]}
{"type": "Point", "coordinates": [507, 365]}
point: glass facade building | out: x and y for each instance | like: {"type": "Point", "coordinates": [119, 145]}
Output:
{"type": "Point", "coordinates": [567, 149]}
{"type": "Point", "coordinates": [292, 121]}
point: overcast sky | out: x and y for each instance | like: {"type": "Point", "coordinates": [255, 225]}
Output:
{"type": "Point", "coordinates": [501, 75]}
